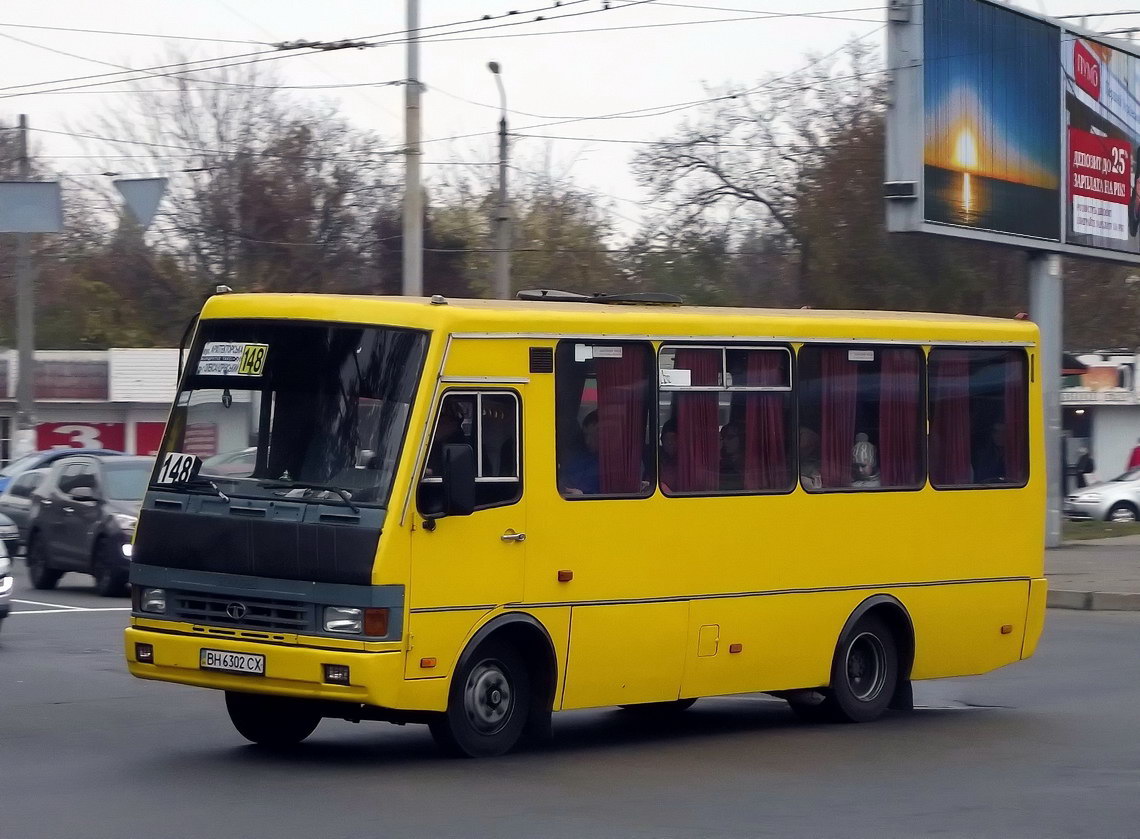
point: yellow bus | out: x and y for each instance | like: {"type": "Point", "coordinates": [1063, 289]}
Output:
{"type": "Point", "coordinates": [472, 513]}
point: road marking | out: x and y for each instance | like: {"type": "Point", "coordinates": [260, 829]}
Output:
{"type": "Point", "coordinates": [70, 610]}
{"type": "Point", "coordinates": [41, 603]}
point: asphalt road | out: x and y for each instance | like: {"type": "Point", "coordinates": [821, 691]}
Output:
{"type": "Point", "coordinates": [1050, 747]}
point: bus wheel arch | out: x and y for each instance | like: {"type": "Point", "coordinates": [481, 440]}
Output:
{"type": "Point", "coordinates": [879, 632]}
{"type": "Point", "coordinates": [511, 640]}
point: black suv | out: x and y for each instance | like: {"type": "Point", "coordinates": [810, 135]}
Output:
{"type": "Point", "coordinates": [83, 519]}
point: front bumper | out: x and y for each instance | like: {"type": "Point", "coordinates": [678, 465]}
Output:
{"type": "Point", "coordinates": [377, 676]}
{"type": "Point", "coordinates": [1077, 511]}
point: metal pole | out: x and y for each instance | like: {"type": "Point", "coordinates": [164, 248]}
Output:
{"type": "Point", "coordinates": [502, 212]}
{"type": "Point", "coordinates": [1045, 307]}
{"type": "Point", "coordinates": [413, 281]}
{"type": "Point", "coordinates": [25, 437]}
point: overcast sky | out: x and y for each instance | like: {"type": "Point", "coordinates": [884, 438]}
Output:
{"type": "Point", "coordinates": [591, 62]}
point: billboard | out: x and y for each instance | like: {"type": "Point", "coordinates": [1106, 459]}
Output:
{"type": "Point", "coordinates": [991, 155]}
{"type": "Point", "coordinates": [1008, 127]}
{"type": "Point", "coordinates": [1102, 118]}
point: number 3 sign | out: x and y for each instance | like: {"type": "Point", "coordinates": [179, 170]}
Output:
{"type": "Point", "coordinates": [73, 435]}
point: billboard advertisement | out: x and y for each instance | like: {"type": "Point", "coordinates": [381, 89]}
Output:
{"type": "Point", "coordinates": [991, 148]}
{"type": "Point", "coordinates": [1009, 127]}
{"type": "Point", "coordinates": [1102, 119]}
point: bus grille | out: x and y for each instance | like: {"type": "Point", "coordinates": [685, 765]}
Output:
{"type": "Point", "coordinates": [251, 612]}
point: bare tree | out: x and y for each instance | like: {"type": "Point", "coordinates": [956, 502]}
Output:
{"type": "Point", "coordinates": [745, 156]}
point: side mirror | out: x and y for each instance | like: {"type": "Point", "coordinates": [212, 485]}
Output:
{"type": "Point", "coordinates": [84, 493]}
{"type": "Point", "coordinates": [458, 479]}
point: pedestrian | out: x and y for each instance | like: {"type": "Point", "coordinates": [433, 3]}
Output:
{"type": "Point", "coordinates": [1083, 467]}
{"type": "Point", "coordinates": [1134, 458]}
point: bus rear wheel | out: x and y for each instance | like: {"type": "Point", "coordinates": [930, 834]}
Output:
{"type": "Point", "coordinates": [864, 676]}
{"type": "Point", "coordinates": [488, 704]}
{"type": "Point", "coordinates": [272, 721]}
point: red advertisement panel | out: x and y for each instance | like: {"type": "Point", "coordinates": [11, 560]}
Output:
{"type": "Point", "coordinates": [1086, 70]}
{"type": "Point", "coordinates": [1100, 171]}
{"type": "Point", "coordinates": [148, 437]}
{"type": "Point", "coordinates": [81, 435]}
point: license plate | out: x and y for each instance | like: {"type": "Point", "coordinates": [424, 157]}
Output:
{"type": "Point", "coordinates": [248, 663]}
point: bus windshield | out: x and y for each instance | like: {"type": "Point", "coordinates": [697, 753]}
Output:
{"type": "Point", "coordinates": [297, 410]}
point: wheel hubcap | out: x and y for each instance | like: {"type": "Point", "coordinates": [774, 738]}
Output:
{"type": "Point", "coordinates": [1123, 515]}
{"type": "Point", "coordinates": [487, 697]}
{"type": "Point", "coordinates": [866, 667]}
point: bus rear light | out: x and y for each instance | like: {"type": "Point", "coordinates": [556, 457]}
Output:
{"type": "Point", "coordinates": [376, 622]}
{"type": "Point", "coordinates": [336, 674]}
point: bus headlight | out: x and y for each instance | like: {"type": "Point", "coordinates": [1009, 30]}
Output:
{"type": "Point", "coordinates": [344, 619]}
{"type": "Point", "coordinates": [5, 564]}
{"type": "Point", "coordinates": [153, 600]}
{"type": "Point", "coordinates": [351, 620]}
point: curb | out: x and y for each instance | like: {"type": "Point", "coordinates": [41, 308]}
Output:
{"type": "Point", "coordinates": [1096, 601]}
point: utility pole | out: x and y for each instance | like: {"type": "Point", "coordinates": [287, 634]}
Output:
{"type": "Point", "coordinates": [502, 211]}
{"type": "Point", "coordinates": [1045, 307]}
{"type": "Point", "coordinates": [25, 437]}
{"type": "Point", "coordinates": [413, 279]}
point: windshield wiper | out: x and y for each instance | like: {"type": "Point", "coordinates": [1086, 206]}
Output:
{"type": "Point", "coordinates": [344, 494]}
{"type": "Point", "coordinates": [198, 485]}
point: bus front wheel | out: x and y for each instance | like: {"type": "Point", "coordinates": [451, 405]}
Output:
{"type": "Point", "coordinates": [488, 704]}
{"type": "Point", "coordinates": [273, 721]}
{"type": "Point", "coordinates": [864, 676]}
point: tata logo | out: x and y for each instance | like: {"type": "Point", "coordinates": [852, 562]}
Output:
{"type": "Point", "coordinates": [1086, 70]}
{"type": "Point", "coordinates": [236, 611]}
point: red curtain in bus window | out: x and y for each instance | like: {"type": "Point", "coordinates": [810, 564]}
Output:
{"type": "Point", "coordinates": [950, 420]}
{"type": "Point", "coordinates": [1016, 419]}
{"type": "Point", "coordinates": [621, 420]}
{"type": "Point", "coordinates": [698, 425]}
{"type": "Point", "coordinates": [765, 449]}
{"type": "Point", "coordinates": [838, 385]}
{"type": "Point", "coordinates": [898, 418]}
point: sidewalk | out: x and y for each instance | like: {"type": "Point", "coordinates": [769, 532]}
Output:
{"type": "Point", "coordinates": [1095, 574]}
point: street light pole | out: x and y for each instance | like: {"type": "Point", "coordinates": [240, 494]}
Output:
{"type": "Point", "coordinates": [502, 211]}
{"type": "Point", "coordinates": [413, 263]}
{"type": "Point", "coordinates": [25, 437]}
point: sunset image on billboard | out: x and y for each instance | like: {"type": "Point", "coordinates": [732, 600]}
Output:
{"type": "Point", "coordinates": [992, 113]}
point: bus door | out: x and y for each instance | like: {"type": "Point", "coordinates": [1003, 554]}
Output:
{"type": "Point", "coordinates": [465, 565]}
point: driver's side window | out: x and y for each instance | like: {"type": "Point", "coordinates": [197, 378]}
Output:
{"type": "Point", "coordinates": [488, 421]}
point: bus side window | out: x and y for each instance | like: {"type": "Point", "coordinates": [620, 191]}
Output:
{"type": "Point", "coordinates": [978, 418]}
{"type": "Point", "coordinates": [488, 421]}
{"type": "Point", "coordinates": [725, 413]}
{"type": "Point", "coordinates": [861, 417]}
{"type": "Point", "coordinates": [604, 419]}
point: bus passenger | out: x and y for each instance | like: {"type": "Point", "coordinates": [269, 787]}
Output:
{"type": "Point", "coordinates": [667, 457]}
{"type": "Point", "coordinates": [731, 457]}
{"type": "Point", "coordinates": [580, 473]}
{"type": "Point", "coordinates": [810, 476]}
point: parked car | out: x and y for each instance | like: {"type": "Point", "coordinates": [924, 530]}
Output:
{"type": "Point", "coordinates": [42, 459]}
{"type": "Point", "coordinates": [9, 536]}
{"type": "Point", "coordinates": [6, 583]}
{"type": "Point", "coordinates": [237, 464]}
{"type": "Point", "coordinates": [16, 505]}
{"type": "Point", "coordinates": [1115, 500]}
{"type": "Point", "coordinates": [83, 518]}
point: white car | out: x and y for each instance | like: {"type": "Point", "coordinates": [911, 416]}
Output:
{"type": "Point", "coordinates": [6, 583]}
{"type": "Point", "coordinates": [1115, 500]}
